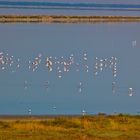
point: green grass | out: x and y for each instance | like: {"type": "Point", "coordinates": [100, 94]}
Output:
{"type": "Point", "coordinates": [101, 127]}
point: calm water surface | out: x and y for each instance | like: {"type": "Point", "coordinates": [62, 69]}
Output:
{"type": "Point", "coordinates": [28, 84]}
{"type": "Point", "coordinates": [66, 7]}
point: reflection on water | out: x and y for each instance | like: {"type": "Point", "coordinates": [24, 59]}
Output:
{"type": "Point", "coordinates": [69, 69]}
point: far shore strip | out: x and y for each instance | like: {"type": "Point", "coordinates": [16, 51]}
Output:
{"type": "Point", "coordinates": [65, 19]}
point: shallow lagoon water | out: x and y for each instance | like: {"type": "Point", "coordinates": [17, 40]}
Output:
{"type": "Point", "coordinates": [62, 96]}
{"type": "Point", "coordinates": [66, 7]}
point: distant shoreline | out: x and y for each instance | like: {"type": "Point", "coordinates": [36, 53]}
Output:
{"type": "Point", "coordinates": [66, 19]}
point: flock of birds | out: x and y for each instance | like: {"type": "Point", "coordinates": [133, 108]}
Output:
{"type": "Point", "coordinates": [63, 65]}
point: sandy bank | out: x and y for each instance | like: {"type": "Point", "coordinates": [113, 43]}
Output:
{"type": "Point", "coordinates": [65, 19]}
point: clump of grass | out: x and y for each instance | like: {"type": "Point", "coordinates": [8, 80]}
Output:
{"type": "Point", "coordinates": [4, 125]}
{"type": "Point", "coordinates": [63, 122]}
{"type": "Point", "coordinates": [28, 126]}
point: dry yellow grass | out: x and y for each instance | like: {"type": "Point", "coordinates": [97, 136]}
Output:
{"type": "Point", "coordinates": [120, 127]}
{"type": "Point", "coordinates": [66, 19]}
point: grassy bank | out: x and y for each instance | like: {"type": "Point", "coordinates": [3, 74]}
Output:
{"type": "Point", "coordinates": [101, 127]}
{"type": "Point", "coordinates": [65, 19]}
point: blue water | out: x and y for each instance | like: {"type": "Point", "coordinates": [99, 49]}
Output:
{"type": "Point", "coordinates": [65, 8]}
{"type": "Point", "coordinates": [68, 5]}
{"type": "Point", "coordinates": [27, 41]}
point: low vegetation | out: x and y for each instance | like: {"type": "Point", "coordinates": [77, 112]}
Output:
{"type": "Point", "coordinates": [65, 19]}
{"type": "Point", "coordinates": [100, 127]}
